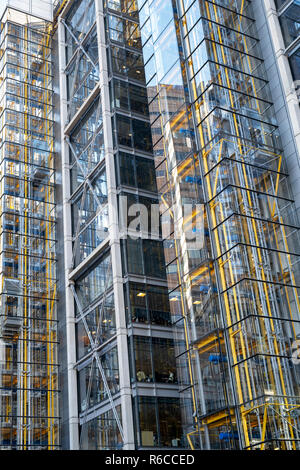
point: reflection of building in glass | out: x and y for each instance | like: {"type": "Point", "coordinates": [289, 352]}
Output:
{"type": "Point", "coordinates": [236, 299]}
{"type": "Point", "coordinates": [74, 114]}
{"type": "Point", "coordinates": [124, 359]}
{"type": "Point", "coordinates": [187, 334]}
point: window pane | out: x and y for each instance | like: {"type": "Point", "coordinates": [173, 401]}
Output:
{"type": "Point", "coordinates": [120, 94]}
{"type": "Point", "coordinates": [138, 307]}
{"type": "Point", "coordinates": [169, 422]}
{"type": "Point", "coordinates": [159, 307]}
{"type": "Point", "coordinates": [118, 60]}
{"type": "Point", "coordinates": [94, 283]}
{"type": "Point", "coordinates": [107, 327]}
{"type": "Point", "coordinates": [154, 258]}
{"type": "Point", "coordinates": [143, 359]}
{"type": "Point", "coordinates": [138, 99]}
{"type": "Point", "coordinates": [134, 256]}
{"type": "Point", "coordinates": [142, 135]}
{"type": "Point", "coordinates": [290, 23]}
{"type": "Point", "coordinates": [166, 51]}
{"type": "Point", "coordinates": [145, 171]}
{"type": "Point", "coordinates": [126, 162]}
{"type": "Point", "coordinates": [148, 424]}
{"type": "Point", "coordinates": [135, 66]}
{"type": "Point", "coordinates": [124, 131]}
{"type": "Point", "coordinates": [102, 433]}
{"type": "Point", "coordinates": [164, 360]}
{"type": "Point", "coordinates": [161, 13]}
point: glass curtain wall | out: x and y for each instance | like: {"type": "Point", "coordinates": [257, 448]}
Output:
{"type": "Point", "coordinates": [152, 356]}
{"type": "Point", "coordinates": [91, 183]}
{"type": "Point", "coordinates": [28, 323]}
{"type": "Point", "coordinates": [93, 294]}
{"type": "Point", "coordinates": [236, 296]}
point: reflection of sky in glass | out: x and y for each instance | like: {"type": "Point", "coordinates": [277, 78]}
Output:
{"type": "Point", "coordinates": [174, 77]}
{"type": "Point", "coordinates": [161, 13]}
{"type": "Point", "coordinates": [40, 8]}
{"type": "Point", "coordinates": [166, 51]}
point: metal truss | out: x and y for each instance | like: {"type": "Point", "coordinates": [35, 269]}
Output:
{"type": "Point", "coordinates": [79, 43]}
{"type": "Point", "coordinates": [87, 184]}
{"type": "Point", "coordinates": [95, 355]}
{"type": "Point", "coordinates": [82, 49]}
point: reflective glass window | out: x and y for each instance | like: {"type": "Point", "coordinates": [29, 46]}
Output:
{"type": "Point", "coordinates": [127, 170]}
{"type": "Point", "coordinates": [295, 64]}
{"type": "Point", "coordinates": [148, 431]}
{"type": "Point", "coordinates": [89, 287]}
{"type": "Point", "coordinates": [166, 51]}
{"type": "Point", "coordinates": [143, 359]}
{"type": "Point", "coordinates": [161, 13]}
{"type": "Point", "coordinates": [164, 360]}
{"type": "Point", "coordinates": [142, 135]}
{"type": "Point", "coordinates": [102, 432]}
{"type": "Point", "coordinates": [154, 258]}
{"type": "Point", "coordinates": [120, 94]}
{"type": "Point", "coordinates": [290, 23]}
{"type": "Point", "coordinates": [138, 99]}
{"type": "Point", "coordinates": [124, 133]}
{"type": "Point", "coordinates": [145, 172]}
{"type": "Point", "coordinates": [100, 320]}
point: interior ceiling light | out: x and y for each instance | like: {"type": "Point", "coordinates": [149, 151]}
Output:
{"type": "Point", "coordinates": [141, 294]}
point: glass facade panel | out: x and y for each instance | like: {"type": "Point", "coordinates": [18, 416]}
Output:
{"type": "Point", "coordinates": [80, 18]}
{"type": "Point", "coordinates": [101, 322]}
{"type": "Point", "coordinates": [166, 51]}
{"type": "Point", "coordinates": [29, 389]}
{"type": "Point", "coordinates": [216, 142]}
{"type": "Point", "coordinates": [82, 76]}
{"type": "Point", "coordinates": [161, 14]}
{"type": "Point", "coordinates": [159, 422]}
{"type": "Point", "coordinates": [149, 304]}
{"type": "Point", "coordinates": [295, 64]}
{"type": "Point", "coordinates": [87, 144]}
{"type": "Point", "coordinates": [91, 387]}
{"type": "Point", "coordinates": [102, 432]}
{"type": "Point", "coordinates": [92, 285]}
{"type": "Point", "coordinates": [290, 23]}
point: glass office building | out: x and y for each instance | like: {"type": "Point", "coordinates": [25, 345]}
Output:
{"type": "Point", "coordinates": [148, 226]}
{"type": "Point", "coordinates": [124, 359]}
{"type": "Point", "coordinates": [216, 141]}
{"type": "Point", "coordinates": [28, 321]}
{"type": "Point", "coordinates": [87, 349]}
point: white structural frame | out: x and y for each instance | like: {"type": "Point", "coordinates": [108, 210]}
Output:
{"type": "Point", "coordinates": [125, 424]}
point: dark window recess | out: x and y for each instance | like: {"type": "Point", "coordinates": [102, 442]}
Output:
{"type": "Point", "coordinates": [145, 172]}
{"type": "Point", "coordinates": [154, 258]}
{"type": "Point", "coordinates": [121, 94]}
{"type": "Point", "coordinates": [142, 135]}
{"type": "Point", "coordinates": [295, 65]}
{"type": "Point", "coordinates": [145, 257]}
{"type": "Point", "coordinates": [138, 99]}
{"type": "Point", "coordinates": [126, 166]}
{"type": "Point", "coordinates": [124, 131]}
{"type": "Point", "coordinates": [159, 422]}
